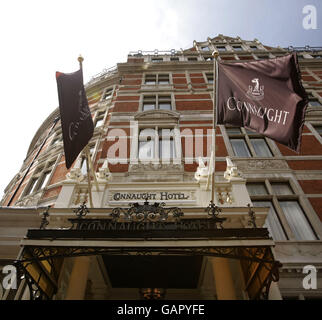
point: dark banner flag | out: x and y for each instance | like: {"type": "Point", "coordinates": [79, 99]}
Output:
{"type": "Point", "coordinates": [76, 120]}
{"type": "Point", "coordinates": [265, 96]}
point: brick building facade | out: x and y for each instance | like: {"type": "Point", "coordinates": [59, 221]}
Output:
{"type": "Point", "coordinates": [159, 105]}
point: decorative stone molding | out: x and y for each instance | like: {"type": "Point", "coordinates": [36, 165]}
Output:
{"type": "Point", "coordinates": [75, 173]}
{"type": "Point", "coordinates": [156, 167]}
{"type": "Point", "coordinates": [104, 173]}
{"type": "Point", "coordinates": [157, 114]}
{"type": "Point", "coordinates": [202, 172]}
{"type": "Point", "coordinates": [250, 165]}
{"type": "Point", "coordinates": [80, 196]}
{"type": "Point", "coordinates": [299, 253]}
{"type": "Point", "coordinates": [231, 172]}
{"type": "Point", "coordinates": [224, 194]}
{"type": "Point", "coordinates": [28, 201]}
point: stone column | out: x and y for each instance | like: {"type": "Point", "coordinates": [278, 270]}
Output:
{"type": "Point", "coordinates": [223, 279]}
{"type": "Point", "coordinates": [274, 292]}
{"type": "Point", "coordinates": [78, 279]}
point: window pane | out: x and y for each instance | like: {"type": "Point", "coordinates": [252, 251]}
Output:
{"type": "Point", "coordinates": [297, 220]}
{"type": "Point", "coordinates": [98, 122]}
{"type": "Point", "coordinates": [272, 222]}
{"type": "Point", "coordinates": [261, 148]}
{"type": "Point", "coordinates": [240, 148]}
{"type": "Point", "coordinates": [233, 130]}
{"type": "Point", "coordinates": [150, 79]}
{"type": "Point", "coordinates": [164, 98]}
{"type": "Point", "coordinates": [107, 94]}
{"type": "Point", "coordinates": [84, 166]}
{"type": "Point", "coordinates": [192, 59]}
{"type": "Point", "coordinates": [221, 48]}
{"type": "Point", "coordinates": [256, 189]}
{"type": "Point", "coordinates": [263, 57]}
{"type": "Point", "coordinates": [165, 106]}
{"type": "Point", "coordinates": [250, 132]}
{"type": "Point", "coordinates": [45, 179]}
{"type": "Point", "coordinates": [315, 103]}
{"type": "Point", "coordinates": [164, 79]}
{"type": "Point", "coordinates": [166, 149]}
{"type": "Point", "coordinates": [146, 149]}
{"type": "Point", "coordinates": [148, 133]}
{"type": "Point", "coordinates": [205, 48]}
{"type": "Point", "coordinates": [318, 129]}
{"type": "Point", "coordinates": [56, 140]}
{"type": "Point", "coordinates": [281, 188]}
{"type": "Point", "coordinates": [32, 185]}
{"type": "Point", "coordinates": [237, 48]}
{"type": "Point", "coordinates": [210, 77]}
{"type": "Point", "coordinates": [148, 106]}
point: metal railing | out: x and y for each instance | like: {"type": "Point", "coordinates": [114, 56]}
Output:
{"type": "Point", "coordinates": [306, 48]}
{"type": "Point", "coordinates": [155, 52]}
{"type": "Point", "coordinates": [102, 75]}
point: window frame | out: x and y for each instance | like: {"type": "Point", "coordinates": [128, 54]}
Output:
{"type": "Point", "coordinates": [111, 89]}
{"type": "Point", "coordinates": [248, 137]}
{"type": "Point", "coordinates": [275, 199]}
{"type": "Point", "coordinates": [157, 76]}
{"type": "Point", "coordinates": [36, 183]}
{"type": "Point", "coordinates": [100, 115]}
{"type": "Point", "coordinates": [144, 120]}
{"type": "Point", "coordinates": [157, 99]}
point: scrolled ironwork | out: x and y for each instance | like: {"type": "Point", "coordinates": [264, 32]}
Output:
{"type": "Point", "coordinates": [213, 211]}
{"type": "Point", "coordinates": [152, 293]}
{"type": "Point", "coordinates": [252, 217]}
{"type": "Point", "coordinates": [35, 292]}
{"type": "Point", "coordinates": [44, 222]}
{"type": "Point", "coordinates": [81, 211]}
{"type": "Point", "coordinates": [146, 212]}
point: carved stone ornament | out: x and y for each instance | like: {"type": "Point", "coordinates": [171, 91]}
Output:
{"type": "Point", "coordinates": [104, 173]}
{"type": "Point", "coordinates": [156, 114]}
{"type": "Point", "coordinates": [231, 170]}
{"type": "Point", "coordinates": [157, 167]}
{"type": "Point", "coordinates": [250, 165]}
{"type": "Point", "coordinates": [202, 172]}
{"type": "Point", "coordinates": [28, 201]}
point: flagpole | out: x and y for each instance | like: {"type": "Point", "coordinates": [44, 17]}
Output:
{"type": "Point", "coordinates": [87, 152]}
{"type": "Point", "coordinates": [215, 76]}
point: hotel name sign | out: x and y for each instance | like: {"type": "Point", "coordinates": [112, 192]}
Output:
{"type": "Point", "coordinates": [139, 196]}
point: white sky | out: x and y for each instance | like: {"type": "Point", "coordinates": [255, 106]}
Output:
{"type": "Point", "coordinates": [38, 38]}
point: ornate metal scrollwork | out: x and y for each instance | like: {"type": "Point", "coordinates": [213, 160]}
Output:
{"type": "Point", "coordinates": [35, 292]}
{"type": "Point", "coordinates": [213, 211]}
{"type": "Point", "coordinates": [152, 293]}
{"type": "Point", "coordinates": [81, 211]}
{"type": "Point", "coordinates": [44, 222]}
{"type": "Point", "coordinates": [252, 217]}
{"type": "Point", "coordinates": [146, 212]}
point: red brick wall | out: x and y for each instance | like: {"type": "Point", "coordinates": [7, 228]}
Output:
{"type": "Point", "coordinates": [317, 206]}
{"type": "Point", "coordinates": [305, 164]}
{"type": "Point", "coordinates": [311, 186]}
{"type": "Point", "coordinates": [126, 107]}
{"type": "Point", "coordinates": [59, 173]}
{"type": "Point", "coordinates": [310, 146]}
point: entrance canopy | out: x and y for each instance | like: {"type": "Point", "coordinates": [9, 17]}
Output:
{"type": "Point", "coordinates": [120, 239]}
